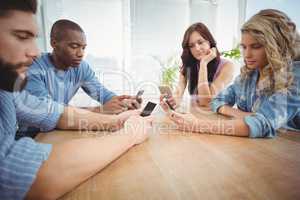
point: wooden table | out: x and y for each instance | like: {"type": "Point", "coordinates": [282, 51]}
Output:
{"type": "Point", "coordinates": [176, 165]}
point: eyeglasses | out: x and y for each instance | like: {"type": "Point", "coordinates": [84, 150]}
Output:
{"type": "Point", "coordinates": [201, 43]}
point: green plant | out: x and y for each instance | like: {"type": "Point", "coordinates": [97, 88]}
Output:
{"type": "Point", "coordinates": [170, 70]}
{"type": "Point", "coordinates": [234, 53]}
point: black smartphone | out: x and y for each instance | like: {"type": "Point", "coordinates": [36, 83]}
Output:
{"type": "Point", "coordinates": [165, 99]}
{"type": "Point", "coordinates": [139, 94]}
{"type": "Point", "coordinates": [148, 109]}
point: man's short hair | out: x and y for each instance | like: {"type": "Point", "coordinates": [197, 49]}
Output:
{"type": "Point", "coordinates": [21, 5]}
{"type": "Point", "coordinates": [60, 27]}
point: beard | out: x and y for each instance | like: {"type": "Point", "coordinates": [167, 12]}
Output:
{"type": "Point", "coordinates": [10, 80]}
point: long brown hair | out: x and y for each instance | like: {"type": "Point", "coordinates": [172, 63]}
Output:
{"type": "Point", "coordinates": [189, 63]}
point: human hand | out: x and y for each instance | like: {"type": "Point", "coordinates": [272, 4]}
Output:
{"type": "Point", "coordinates": [139, 128]}
{"type": "Point", "coordinates": [133, 102]}
{"type": "Point", "coordinates": [171, 101]}
{"type": "Point", "coordinates": [211, 54]}
{"type": "Point", "coordinates": [115, 105]}
{"type": "Point", "coordinates": [185, 122]}
{"type": "Point", "coordinates": [125, 115]}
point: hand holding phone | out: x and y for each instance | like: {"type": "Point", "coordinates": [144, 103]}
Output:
{"type": "Point", "coordinates": [165, 99]}
{"type": "Point", "coordinates": [148, 109]}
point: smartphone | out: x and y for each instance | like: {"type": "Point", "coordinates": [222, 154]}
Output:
{"type": "Point", "coordinates": [148, 109]}
{"type": "Point", "coordinates": [165, 99]}
{"type": "Point", "coordinates": [139, 94]}
{"type": "Point", "coordinates": [164, 89]}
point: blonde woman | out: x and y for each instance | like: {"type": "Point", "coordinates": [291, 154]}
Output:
{"type": "Point", "coordinates": [265, 92]}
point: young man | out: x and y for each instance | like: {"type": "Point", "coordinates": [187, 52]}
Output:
{"type": "Point", "coordinates": [42, 171]}
{"type": "Point", "coordinates": [57, 76]}
{"type": "Point", "coordinates": [60, 74]}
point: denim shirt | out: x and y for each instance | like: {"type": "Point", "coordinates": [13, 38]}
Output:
{"type": "Point", "coordinates": [270, 112]}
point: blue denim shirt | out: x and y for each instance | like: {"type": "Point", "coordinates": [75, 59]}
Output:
{"type": "Point", "coordinates": [270, 112]}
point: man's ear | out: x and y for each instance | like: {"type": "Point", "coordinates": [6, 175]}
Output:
{"type": "Point", "coordinates": [53, 43]}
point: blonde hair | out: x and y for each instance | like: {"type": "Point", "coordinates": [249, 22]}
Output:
{"type": "Point", "coordinates": [275, 31]}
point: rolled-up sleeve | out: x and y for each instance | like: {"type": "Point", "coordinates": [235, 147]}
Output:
{"type": "Point", "coordinates": [39, 112]}
{"type": "Point", "coordinates": [19, 164]}
{"type": "Point", "coordinates": [273, 112]}
{"type": "Point", "coordinates": [93, 87]}
{"type": "Point", "coordinates": [225, 97]}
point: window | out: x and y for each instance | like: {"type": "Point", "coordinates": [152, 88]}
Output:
{"type": "Point", "coordinates": [128, 40]}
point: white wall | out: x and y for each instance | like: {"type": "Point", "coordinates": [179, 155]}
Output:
{"type": "Point", "coordinates": [129, 39]}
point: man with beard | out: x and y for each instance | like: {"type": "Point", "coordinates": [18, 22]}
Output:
{"type": "Point", "coordinates": [34, 170]}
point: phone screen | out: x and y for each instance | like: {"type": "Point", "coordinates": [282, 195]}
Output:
{"type": "Point", "coordinates": [148, 109]}
{"type": "Point", "coordinates": [138, 96]}
{"type": "Point", "coordinates": [140, 93]}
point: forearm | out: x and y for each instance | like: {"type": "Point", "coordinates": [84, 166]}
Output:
{"type": "Point", "coordinates": [72, 162]}
{"type": "Point", "coordinates": [179, 91]}
{"type": "Point", "coordinates": [204, 93]}
{"type": "Point", "coordinates": [233, 112]}
{"type": "Point", "coordinates": [80, 119]}
{"type": "Point", "coordinates": [236, 127]}
{"type": "Point", "coordinates": [178, 95]}
{"type": "Point", "coordinates": [95, 109]}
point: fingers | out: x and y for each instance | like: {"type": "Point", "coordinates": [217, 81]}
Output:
{"type": "Point", "coordinates": [122, 97]}
{"type": "Point", "coordinates": [131, 104]}
{"type": "Point", "coordinates": [135, 112]}
{"type": "Point", "coordinates": [172, 102]}
{"type": "Point", "coordinates": [176, 117]}
{"type": "Point", "coordinates": [164, 106]}
{"type": "Point", "coordinates": [149, 119]}
{"type": "Point", "coordinates": [161, 97]}
{"type": "Point", "coordinates": [139, 100]}
{"type": "Point", "coordinates": [214, 50]}
{"type": "Point", "coordinates": [136, 104]}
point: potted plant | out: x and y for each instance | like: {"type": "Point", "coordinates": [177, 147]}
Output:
{"type": "Point", "coordinates": [170, 70]}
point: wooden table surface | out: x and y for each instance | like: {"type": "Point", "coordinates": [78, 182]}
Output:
{"type": "Point", "coordinates": [176, 165]}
